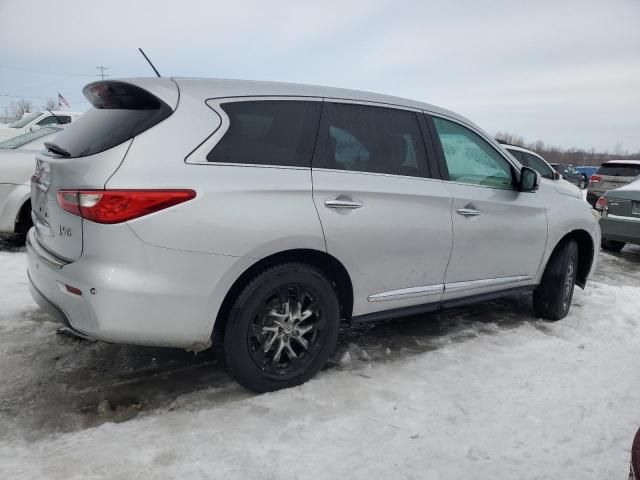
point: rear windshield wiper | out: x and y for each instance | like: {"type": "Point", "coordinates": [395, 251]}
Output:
{"type": "Point", "coordinates": [53, 148]}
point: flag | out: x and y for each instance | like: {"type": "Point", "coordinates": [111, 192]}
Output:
{"type": "Point", "coordinates": [62, 101]}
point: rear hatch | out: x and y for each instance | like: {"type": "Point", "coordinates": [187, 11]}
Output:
{"type": "Point", "coordinates": [89, 151]}
{"type": "Point", "coordinates": [624, 202]}
{"type": "Point", "coordinates": [612, 175]}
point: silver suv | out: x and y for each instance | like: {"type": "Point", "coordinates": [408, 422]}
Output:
{"type": "Point", "coordinates": [259, 216]}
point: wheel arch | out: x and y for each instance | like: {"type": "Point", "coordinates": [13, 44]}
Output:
{"type": "Point", "coordinates": [586, 252]}
{"type": "Point", "coordinates": [329, 265]}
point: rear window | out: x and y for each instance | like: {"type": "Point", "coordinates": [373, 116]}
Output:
{"type": "Point", "coordinates": [619, 169]}
{"type": "Point", "coordinates": [268, 132]}
{"type": "Point", "coordinates": [121, 111]}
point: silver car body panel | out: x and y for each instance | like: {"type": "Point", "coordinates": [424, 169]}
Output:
{"type": "Point", "coordinates": [161, 279]}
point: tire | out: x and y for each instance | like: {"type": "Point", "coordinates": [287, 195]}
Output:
{"type": "Point", "coordinates": [612, 245]}
{"type": "Point", "coordinates": [23, 224]}
{"type": "Point", "coordinates": [552, 298]}
{"type": "Point", "coordinates": [268, 344]}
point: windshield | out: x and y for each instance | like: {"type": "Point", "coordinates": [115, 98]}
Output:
{"type": "Point", "coordinates": [24, 120]}
{"type": "Point", "coordinates": [20, 140]}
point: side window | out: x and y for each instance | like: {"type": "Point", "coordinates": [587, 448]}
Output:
{"type": "Point", "coordinates": [470, 159]}
{"type": "Point", "coordinates": [518, 155]}
{"type": "Point", "coordinates": [371, 139]}
{"type": "Point", "coordinates": [54, 121]}
{"type": "Point", "coordinates": [268, 132]}
{"type": "Point", "coordinates": [538, 165]}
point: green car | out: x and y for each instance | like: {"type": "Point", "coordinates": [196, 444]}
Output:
{"type": "Point", "coordinates": [620, 222]}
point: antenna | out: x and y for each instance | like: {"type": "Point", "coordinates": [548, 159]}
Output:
{"type": "Point", "coordinates": [102, 74]}
{"type": "Point", "coordinates": [147, 59]}
{"type": "Point", "coordinates": [59, 121]}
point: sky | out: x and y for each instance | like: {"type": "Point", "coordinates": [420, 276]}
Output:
{"type": "Point", "coordinates": [566, 72]}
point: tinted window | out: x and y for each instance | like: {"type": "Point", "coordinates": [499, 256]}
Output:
{"type": "Point", "coordinates": [57, 120]}
{"type": "Point", "coordinates": [471, 159]}
{"type": "Point", "coordinates": [121, 111]}
{"type": "Point", "coordinates": [370, 139]}
{"type": "Point", "coordinates": [518, 154]}
{"type": "Point", "coordinates": [538, 165]}
{"type": "Point", "coordinates": [619, 169]}
{"type": "Point", "coordinates": [268, 132]}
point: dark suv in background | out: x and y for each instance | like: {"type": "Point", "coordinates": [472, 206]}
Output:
{"type": "Point", "coordinates": [570, 174]}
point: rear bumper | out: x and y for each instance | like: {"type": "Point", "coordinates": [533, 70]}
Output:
{"type": "Point", "coordinates": [620, 229]}
{"type": "Point", "coordinates": [132, 292]}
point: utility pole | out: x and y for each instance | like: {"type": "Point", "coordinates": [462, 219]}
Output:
{"type": "Point", "coordinates": [102, 74]}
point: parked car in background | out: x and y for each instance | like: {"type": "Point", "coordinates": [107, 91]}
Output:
{"type": "Point", "coordinates": [570, 174]}
{"type": "Point", "coordinates": [17, 162]}
{"type": "Point", "coordinates": [620, 222]}
{"type": "Point", "coordinates": [260, 215]}
{"type": "Point", "coordinates": [587, 171]}
{"type": "Point", "coordinates": [531, 159]}
{"type": "Point", "coordinates": [33, 121]}
{"type": "Point", "coordinates": [611, 175]}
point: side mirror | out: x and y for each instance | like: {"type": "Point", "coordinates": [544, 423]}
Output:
{"type": "Point", "coordinates": [35, 128]}
{"type": "Point", "coordinates": [556, 176]}
{"type": "Point", "coordinates": [529, 180]}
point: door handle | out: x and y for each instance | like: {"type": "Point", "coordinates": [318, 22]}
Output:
{"type": "Point", "coordinates": [469, 212]}
{"type": "Point", "coordinates": [342, 202]}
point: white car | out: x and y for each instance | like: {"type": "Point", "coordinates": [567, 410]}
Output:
{"type": "Point", "coordinates": [17, 163]}
{"type": "Point", "coordinates": [34, 121]}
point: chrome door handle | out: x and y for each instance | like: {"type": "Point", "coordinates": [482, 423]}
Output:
{"type": "Point", "coordinates": [342, 202]}
{"type": "Point", "coordinates": [469, 212]}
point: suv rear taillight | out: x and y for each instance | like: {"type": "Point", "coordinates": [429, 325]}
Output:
{"type": "Point", "coordinates": [116, 206]}
{"type": "Point", "coordinates": [595, 179]}
{"type": "Point", "coordinates": [602, 204]}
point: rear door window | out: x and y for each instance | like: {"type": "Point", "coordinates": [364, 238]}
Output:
{"type": "Point", "coordinates": [268, 132]}
{"type": "Point", "coordinates": [619, 169]}
{"type": "Point", "coordinates": [366, 138]}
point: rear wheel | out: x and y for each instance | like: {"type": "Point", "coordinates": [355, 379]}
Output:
{"type": "Point", "coordinates": [552, 298]}
{"type": "Point", "coordinates": [612, 245]}
{"type": "Point", "coordinates": [282, 328]}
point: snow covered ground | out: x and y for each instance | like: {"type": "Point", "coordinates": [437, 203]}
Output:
{"type": "Point", "coordinates": [482, 392]}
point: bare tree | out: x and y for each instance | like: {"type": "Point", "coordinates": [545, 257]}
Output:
{"type": "Point", "coordinates": [19, 108]}
{"type": "Point", "coordinates": [50, 104]}
{"type": "Point", "coordinates": [510, 138]}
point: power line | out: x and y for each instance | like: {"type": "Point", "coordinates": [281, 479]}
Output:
{"type": "Point", "coordinates": [102, 74]}
{"type": "Point", "coordinates": [46, 73]}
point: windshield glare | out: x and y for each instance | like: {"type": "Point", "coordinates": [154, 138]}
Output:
{"type": "Point", "coordinates": [24, 120]}
{"type": "Point", "coordinates": [20, 140]}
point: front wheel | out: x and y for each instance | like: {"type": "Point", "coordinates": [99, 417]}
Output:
{"type": "Point", "coordinates": [282, 328]}
{"type": "Point", "coordinates": [552, 298]}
